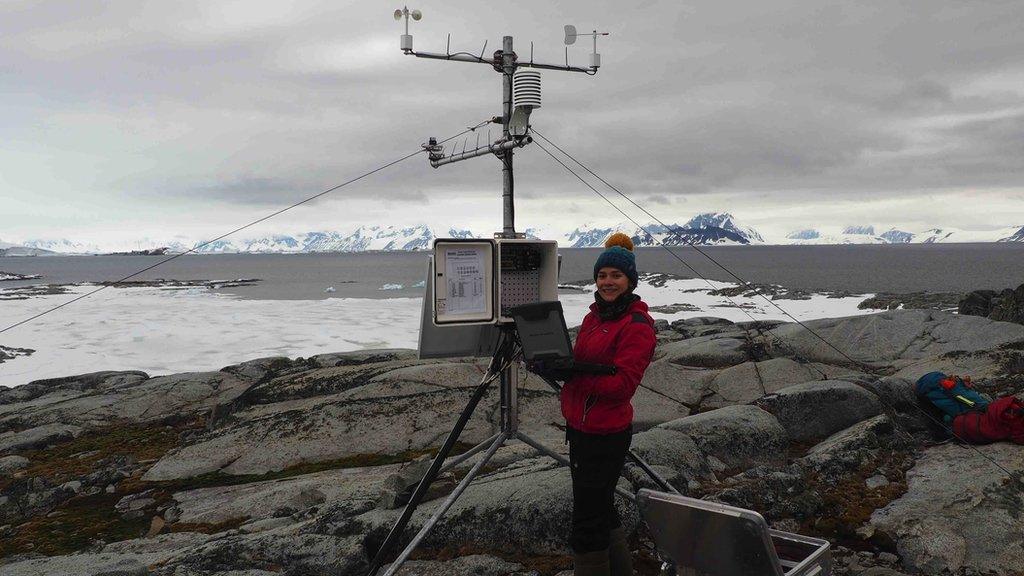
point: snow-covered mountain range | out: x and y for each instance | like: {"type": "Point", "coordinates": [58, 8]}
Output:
{"type": "Point", "coordinates": [710, 228]}
{"type": "Point", "coordinates": [867, 234]}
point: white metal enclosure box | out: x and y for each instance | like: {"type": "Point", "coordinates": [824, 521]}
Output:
{"type": "Point", "coordinates": [477, 281]}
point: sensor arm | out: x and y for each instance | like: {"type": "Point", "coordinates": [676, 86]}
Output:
{"type": "Point", "coordinates": [464, 57]}
{"type": "Point", "coordinates": [437, 160]}
{"type": "Point", "coordinates": [460, 57]}
{"type": "Point", "coordinates": [561, 67]}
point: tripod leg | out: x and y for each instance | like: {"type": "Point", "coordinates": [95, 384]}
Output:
{"type": "Point", "coordinates": [468, 454]}
{"type": "Point", "coordinates": [435, 466]}
{"type": "Point", "coordinates": [561, 459]}
{"type": "Point", "coordinates": [446, 505]}
{"type": "Point", "coordinates": [658, 479]}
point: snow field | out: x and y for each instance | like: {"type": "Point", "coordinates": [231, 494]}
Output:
{"type": "Point", "coordinates": [163, 331]}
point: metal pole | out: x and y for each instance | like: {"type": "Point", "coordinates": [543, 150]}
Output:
{"type": "Point", "coordinates": [510, 406]}
{"type": "Point", "coordinates": [508, 67]}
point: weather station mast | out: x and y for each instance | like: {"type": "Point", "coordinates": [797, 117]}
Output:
{"type": "Point", "coordinates": [473, 286]}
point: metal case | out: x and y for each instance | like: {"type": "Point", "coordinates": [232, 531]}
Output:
{"type": "Point", "coordinates": [710, 539]}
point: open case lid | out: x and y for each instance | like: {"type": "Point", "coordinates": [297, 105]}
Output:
{"type": "Point", "coordinates": [709, 538]}
{"type": "Point", "coordinates": [542, 331]}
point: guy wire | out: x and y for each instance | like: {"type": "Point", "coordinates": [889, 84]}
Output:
{"type": "Point", "coordinates": [890, 409]}
{"type": "Point", "coordinates": [239, 229]}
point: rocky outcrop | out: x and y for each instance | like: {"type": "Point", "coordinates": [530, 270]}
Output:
{"type": "Point", "coordinates": [1004, 306]}
{"type": "Point", "coordinates": [37, 437]}
{"type": "Point", "coordinates": [961, 513]}
{"type": "Point", "coordinates": [815, 410]}
{"type": "Point", "coordinates": [302, 466]}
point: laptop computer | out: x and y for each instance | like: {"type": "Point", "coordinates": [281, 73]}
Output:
{"type": "Point", "coordinates": [545, 339]}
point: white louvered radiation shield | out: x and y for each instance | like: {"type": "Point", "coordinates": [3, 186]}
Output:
{"type": "Point", "coordinates": [526, 88]}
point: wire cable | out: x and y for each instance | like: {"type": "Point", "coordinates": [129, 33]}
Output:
{"type": "Point", "coordinates": [746, 284]}
{"type": "Point", "coordinates": [198, 247]}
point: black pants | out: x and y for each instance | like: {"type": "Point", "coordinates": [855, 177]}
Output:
{"type": "Point", "coordinates": [596, 463]}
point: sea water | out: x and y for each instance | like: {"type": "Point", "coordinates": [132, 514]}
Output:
{"type": "Point", "coordinates": [853, 268]}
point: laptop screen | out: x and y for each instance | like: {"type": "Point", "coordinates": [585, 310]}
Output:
{"type": "Point", "coordinates": [542, 331]}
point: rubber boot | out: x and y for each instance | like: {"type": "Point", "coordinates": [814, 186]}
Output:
{"type": "Point", "coordinates": [591, 564]}
{"type": "Point", "coordinates": [620, 559]}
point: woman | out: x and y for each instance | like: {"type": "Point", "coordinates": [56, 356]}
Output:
{"type": "Point", "coordinates": [597, 410]}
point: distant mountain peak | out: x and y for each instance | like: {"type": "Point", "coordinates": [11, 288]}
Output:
{"type": "Point", "coordinates": [867, 230]}
{"type": "Point", "coordinates": [894, 236]}
{"type": "Point", "coordinates": [805, 234]}
{"type": "Point", "coordinates": [1017, 236]}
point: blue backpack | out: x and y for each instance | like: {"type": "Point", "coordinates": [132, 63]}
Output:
{"type": "Point", "coordinates": [952, 395]}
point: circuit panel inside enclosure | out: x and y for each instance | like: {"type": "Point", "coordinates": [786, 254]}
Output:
{"type": "Point", "coordinates": [520, 276]}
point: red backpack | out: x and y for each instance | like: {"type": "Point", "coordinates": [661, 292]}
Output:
{"type": "Point", "coordinates": [1002, 420]}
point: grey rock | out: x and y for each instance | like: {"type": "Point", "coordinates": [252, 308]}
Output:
{"type": "Point", "coordinates": [135, 502]}
{"type": "Point", "coordinates": [895, 392]}
{"type": "Point", "coordinates": [396, 484]}
{"type": "Point", "coordinates": [259, 368]}
{"type": "Point", "coordinates": [37, 437]}
{"type": "Point", "coordinates": [526, 506]}
{"type": "Point", "coordinates": [72, 485]}
{"type": "Point", "coordinates": [360, 487]}
{"type": "Point", "coordinates": [684, 384]}
{"type": "Point", "coordinates": [960, 513]}
{"type": "Point", "coordinates": [816, 410]}
{"type": "Point", "coordinates": [888, 557]}
{"type": "Point", "coordinates": [876, 481]}
{"type": "Point", "coordinates": [124, 397]}
{"type": "Point", "coordinates": [739, 436]}
{"type": "Point", "coordinates": [880, 571]}
{"type": "Point", "coordinates": [287, 546]}
{"type": "Point", "coordinates": [674, 450]}
{"type": "Point", "coordinates": [848, 449]}
{"type": "Point", "coordinates": [130, 557]}
{"type": "Point", "coordinates": [896, 338]}
{"type": "Point", "coordinates": [271, 438]}
{"type": "Point", "coordinates": [749, 381]}
{"type": "Point", "coordinates": [706, 352]}
{"type": "Point", "coordinates": [362, 357]}
{"type": "Point", "coordinates": [11, 464]}
{"type": "Point", "coordinates": [54, 389]}
{"type": "Point", "coordinates": [265, 524]}
{"type": "Point", "coordinates": [476, 565]}
{"type": "Point", "coordinates": [1006, 305]}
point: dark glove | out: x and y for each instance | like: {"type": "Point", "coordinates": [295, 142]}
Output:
{"type": "Point", "coordinates": [556, 374]}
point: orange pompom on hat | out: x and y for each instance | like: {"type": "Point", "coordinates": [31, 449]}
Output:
{"type": "Point", "coordinates": [618, 254]}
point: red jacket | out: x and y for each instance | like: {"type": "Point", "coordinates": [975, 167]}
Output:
{"type": "Point", "coordinates": [601, 404]}
{"type": "Point", "coordinates": [1002, 420]}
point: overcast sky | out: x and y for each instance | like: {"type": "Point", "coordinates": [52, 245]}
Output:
{"type": "Point", "coordinates": [123, 119]}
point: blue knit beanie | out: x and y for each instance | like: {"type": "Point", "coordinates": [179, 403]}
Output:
{"type": "Point", "coordinates": [619, 255]}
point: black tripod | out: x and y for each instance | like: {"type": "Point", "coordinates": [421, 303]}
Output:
{"type": "Point", "coordinates": [504, 365]}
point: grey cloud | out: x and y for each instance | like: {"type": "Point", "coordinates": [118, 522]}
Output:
{"type": "Point", "coordinates": [793, 98]}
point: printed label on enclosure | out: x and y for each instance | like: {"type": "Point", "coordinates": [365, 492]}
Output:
{"type": "Point", "coordinates": [464, 271]}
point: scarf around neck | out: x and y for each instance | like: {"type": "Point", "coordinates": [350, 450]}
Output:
{"type": "Point", "coordinates": [615, 308]}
